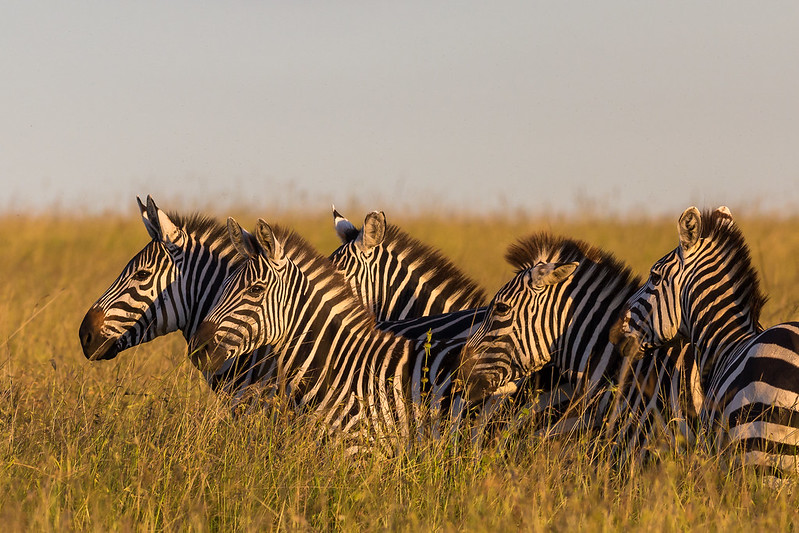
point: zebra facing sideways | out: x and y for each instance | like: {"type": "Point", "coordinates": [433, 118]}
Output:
{"type": "Point", "coordinates": [409, 286]}
{"type": "Point", "coordinates": [398, 276]}
{"type": "Point", "coordinates": [362, 383]}
{"type": "Point", "coordinates": [707, 291]}
{"type": "Point", "coordinates": [169, 286]}
{"type": "Point", "coordinates": [559, 308]}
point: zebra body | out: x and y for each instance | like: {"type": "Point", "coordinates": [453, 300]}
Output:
{"type": "Point", "coordinates": [359, 381]}
{"type": "Point", "coordinates": [560, 308]}
{"type": "Point", "coordinates": [707, 291]}
{"type": "Point", "coordinates": [453, 325]}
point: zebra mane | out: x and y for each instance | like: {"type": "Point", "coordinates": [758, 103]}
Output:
{"type": "Point", "coordinates": [321, 271]}
{"type": "Point", "coordinates": [433, 260]}
{"type": "Point", "coordinates": [207, 230]}
{"type": "Point", "coordinates": [545, 247]}
{"type": "Point", "coordinates": [724, 231]}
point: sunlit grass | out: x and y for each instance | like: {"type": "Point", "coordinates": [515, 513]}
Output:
{"type": "Point", "coordinates": [141, 443]}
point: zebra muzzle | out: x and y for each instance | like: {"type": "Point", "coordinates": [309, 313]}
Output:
{"type": "Point", "coordinates": [205, 350]}
{"type": "Point", "coordinates": [96, 345]}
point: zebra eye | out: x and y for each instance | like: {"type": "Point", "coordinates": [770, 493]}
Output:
{"type": "Point", "coordinates": [256, 290]}
{"type": "Point", "coordinates": [501, 308]}
{"type": "Point", "coordinates": [655, 278]}
{"type": "Point", "coordinates": [141, 275]}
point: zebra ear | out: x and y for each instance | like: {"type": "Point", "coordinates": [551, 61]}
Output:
{"type": "Point", "coordinates": [170, 233]}
{"type": "Point", "coordinates": [271, 247]}
{"type": "Point", "coordinates": [374, 229]}
{"type": "Point", "coordinates": [345, 229]}
{"type": "Point", "coordinates": [242, 240]}
{"type": "Point", "coordinates": [722, 216]}
{"type": "Point", "coordinates": [163, 228]}
{"type": "Point", "coordinates": [552, 273]}
{"type": "Point", "coordinates": [560, 272]}
{"type": "Point", "coordinates": [152, 229]}
{"type": "Point", "coordinates": [690, 228]}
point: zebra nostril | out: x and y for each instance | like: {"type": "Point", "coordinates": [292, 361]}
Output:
{"type": "Point", "coordinates": [89, 332]}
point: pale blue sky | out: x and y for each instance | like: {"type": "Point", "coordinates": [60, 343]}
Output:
{"type": "Point", "coordinates": [468, 105]}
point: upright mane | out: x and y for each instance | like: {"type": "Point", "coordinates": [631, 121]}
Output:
{"type": "Point", "coordinates": [721, 229]}
{"type": "Point", "coordinates": [205, 229]}
{"type": "Point", "coordinates": [321, 271]}
{"type": "Point", "coordinates": [434, 261]}
{"type": "Point", "coordinates": [545, 247]}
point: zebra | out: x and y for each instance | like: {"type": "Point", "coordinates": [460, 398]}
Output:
{"type": "Point", "coordinates": [168, 286]}
{"type": "Point", "coordinates": [362, 383]}
{"type": "Point", "coordinates": [559, 308]}
{"type": "Point", "coordinates": [399, 277]}
{"type": "Point", "coordinates": [402, 279]}
{"type": "Point", "coordinates": [706, 290]}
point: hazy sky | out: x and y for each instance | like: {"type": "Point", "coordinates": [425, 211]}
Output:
{"type": "Point", "coordinates": [468, 105]}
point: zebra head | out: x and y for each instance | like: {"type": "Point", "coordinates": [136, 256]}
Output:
{"type": "Point", "coordinates": [504, 348]}
{"type": "Point", "coordinates": [253, 303]}
{"type": "Point", "coordinates": [659, 312]}
{"type": "Point", "coordinates": [139, 305]}
{"type": "Point", "coordinates": [356, 257]}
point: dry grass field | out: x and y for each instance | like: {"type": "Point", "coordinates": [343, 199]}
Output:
{"type": "Point", "coordinates": [140, 443]}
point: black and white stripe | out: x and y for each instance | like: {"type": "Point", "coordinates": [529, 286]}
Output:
{"type": "Point", "coordinates": [559, 308]}
{"type": "Point", "coordinates": [398, 277]}
{"type": "Point", "coordinates": [361, 382]}
{"type": "Point", "coordinates": [707, 291]}
{"type": "Point", "coordinates": [169, 286]}
{"type": "Point", "coordinates": [410, 277]}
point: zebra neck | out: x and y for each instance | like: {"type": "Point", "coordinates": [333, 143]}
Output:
{"type": "Point", "coordinates": [206, 270]}
{"type": "Point", "coordinates": [584, 350]}
{"type": "Point", "coordinates": [421, 284]}
{"type": "Point", "coordinates": [718, 331]}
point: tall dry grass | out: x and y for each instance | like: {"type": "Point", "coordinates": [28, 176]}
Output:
{"type": "Point", "coordinates": [139, 443]}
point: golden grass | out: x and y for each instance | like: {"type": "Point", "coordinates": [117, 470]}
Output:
{"type": "Point", "coordinates": [141, 443]}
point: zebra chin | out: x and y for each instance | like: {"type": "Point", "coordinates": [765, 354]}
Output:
{"type": "Point", "coordinates": [95, 345]}
{"type": "Point", "coordinates": [476, 385]}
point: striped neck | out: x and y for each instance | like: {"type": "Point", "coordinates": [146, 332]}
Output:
{"type": "Point", "coordinates": [208, 258]}
{"type": "Point", "coordinates": [721, 297]}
